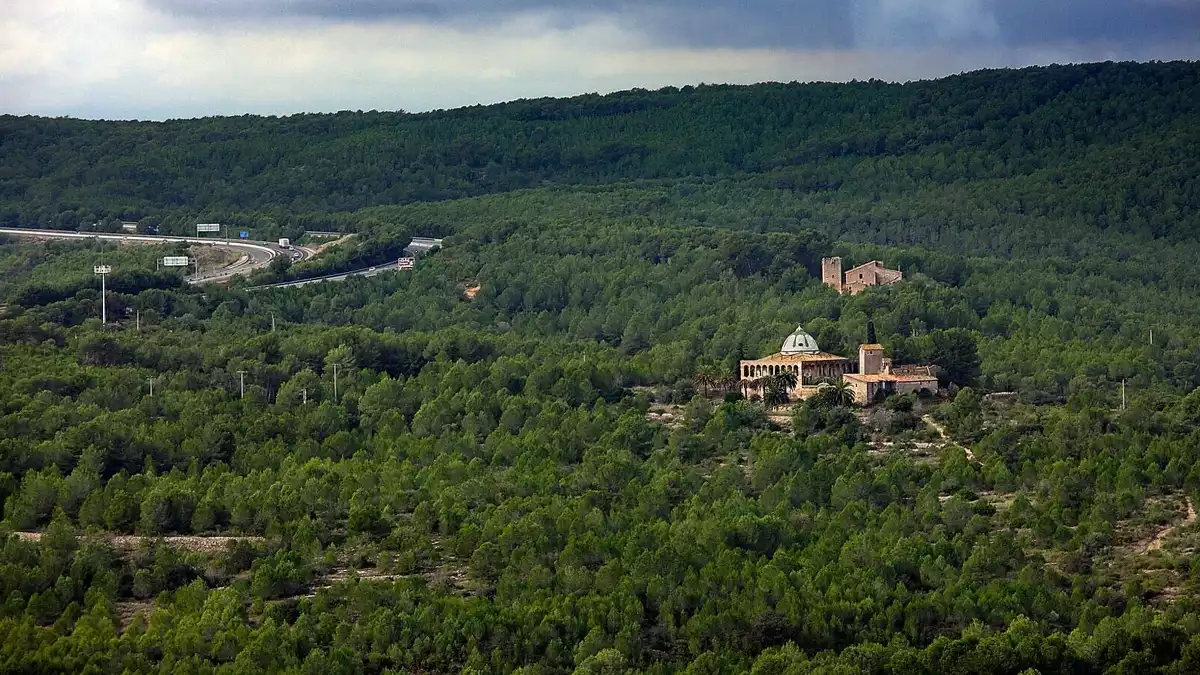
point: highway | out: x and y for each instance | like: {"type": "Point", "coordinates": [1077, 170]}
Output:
{"type": "Point", "coordinates": [255, 254]}
{"type": "Point", "coordinates": [417, 246]}
{"type": "Point", "coordinates": [365, 272]}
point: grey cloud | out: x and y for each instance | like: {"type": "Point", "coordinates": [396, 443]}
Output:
{"type": "Point", "coordinates": [733, 23]}
{"type": "Point", "coordinates": [805, 24]}
{"type": "Point", "coordinates": [1120, 21]}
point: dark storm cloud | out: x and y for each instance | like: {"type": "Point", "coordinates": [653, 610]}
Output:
{"type": "Point", "coordinates": [1121, 21]}
{"type": "Point", "coordinates": [735, 23]}
{"type": "Point", "coordinates": [812, 24]}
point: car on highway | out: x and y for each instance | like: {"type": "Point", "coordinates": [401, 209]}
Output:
{"type": "Point", "coordinates": [371, 270]}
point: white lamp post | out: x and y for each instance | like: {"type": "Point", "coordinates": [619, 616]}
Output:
{"type": "Point", "coordinates": [103, 271]}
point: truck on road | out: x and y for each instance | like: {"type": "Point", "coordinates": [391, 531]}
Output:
{"type": "Point", "coordinates": [285, 243]}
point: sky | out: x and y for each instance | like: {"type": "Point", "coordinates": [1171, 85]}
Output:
{"type": "Point", "coordinates": [158, 59]}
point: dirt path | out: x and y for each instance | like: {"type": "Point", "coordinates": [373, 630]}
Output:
{"type": "Point", "coordinates": [1157, 542]}
{"type": "Point", "coordinates": [928, 419]}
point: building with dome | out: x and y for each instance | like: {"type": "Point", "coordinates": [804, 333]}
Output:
{"type": "Point", "coordinates": [800, 355]}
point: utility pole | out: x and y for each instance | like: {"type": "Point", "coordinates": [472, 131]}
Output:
{"type": "Point", "coordinates": [1122, 395]}
{"type": "Point", "coordinates": [103, 271]}
{"type": "Point", "coordinates": [242, 377]}
{"type": "Point", "coordinates": [272, 322]}
{"type": "Point", "coordinates": [335, 367]}
{"type": "Point", "coordinates": [304, 393]}
{"type": "Point", "coordinates": [139, 320]}
{"type": "Point", "coordinates": [150, 381]}
{"type": "Point", "coordinates": [1151, 337]}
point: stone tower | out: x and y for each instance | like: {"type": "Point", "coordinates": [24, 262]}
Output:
{"type": "Point", "coordinates": [831, 272]}
{"type": "Point", "coordinates": [870, 359]}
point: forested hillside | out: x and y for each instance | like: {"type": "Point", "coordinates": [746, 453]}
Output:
{"type": "Point", "coordinates": [555, 472]}
{"type": "Point", "coordinates": [1121, 136]}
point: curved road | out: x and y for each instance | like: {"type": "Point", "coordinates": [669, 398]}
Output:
{"type": "Point", "coordinates": [342, 276]}
{"type": "Point", "coordinates": [255, 254]}
{"type": "Point", "coordinates": [418, 246]}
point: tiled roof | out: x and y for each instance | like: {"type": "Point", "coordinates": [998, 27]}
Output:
{"type": "Point", "coordinates": [885, 377]}
{"type": "Point", "coordinates": [924, 371]}
{"type": "Point", "coordinates": [873, 263]}
{"type": "Point", "coordinates": [798, 358]}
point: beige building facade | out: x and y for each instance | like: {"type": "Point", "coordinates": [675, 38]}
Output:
{"type": "Point", "coordinates": [876, 377]}
{"type": "Point", "coordinates": [857, 279]}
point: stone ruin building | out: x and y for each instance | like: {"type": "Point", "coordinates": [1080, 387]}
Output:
{"type": "Point", "coordinates": [856, 279]}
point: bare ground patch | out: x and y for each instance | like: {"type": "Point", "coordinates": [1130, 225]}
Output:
{"type": "Point", "coordinates": [318, 250]}
{"type": "Point", "coordinates": [941, 431]}
{"type": "Point", "coordinates": [918, 450]}
{"type": "Point", "coordinates": [450, 574]}
{"type": "Point", "coordinates": [1155, 553]}
{"type": "Point", "coordinates": [127, 610]}
{"type": "Point", "coordinates": [998, 500]}
{"type": "Point", "coordinates": [782, 420]}
{"type": "Point", "coordinates": [212, 257]}
{"type": "Point", "coordinates": [1159, 538]}
{"type": "Point", "coordinates": [445, 570]}
{"type": "Point", "coordinates": [1140, 536]}
{"type": "Point", "coordinates": [667, 414]}
{"type": "Point", "coordinates": [129, 542]}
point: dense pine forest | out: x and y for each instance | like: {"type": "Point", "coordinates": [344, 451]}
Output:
{"type": "Point", "coordinates": [530, 454]}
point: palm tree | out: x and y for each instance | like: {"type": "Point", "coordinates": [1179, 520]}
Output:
{"type": "Point", "coordinates": [786, 380]}
{"type": "Point", "coordinates": [774, 394]}
{"type": "Point", "coordinates": [746, 384]}
{"type": "Point", "coordinates": [728, 383]}
{"type": "Point", "coordinates": [838, 393]}
{"type": "Point", "coordinates": [761, 384]}
{"type": "Point", "coordinates": [776, 388]}
{"type": "Point", "coordinates": [704, 379]}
